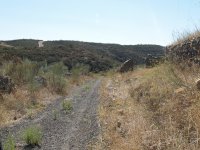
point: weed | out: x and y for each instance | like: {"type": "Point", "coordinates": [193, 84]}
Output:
{"type": "Point", "coordinates": [9, 143]}
{"type": "Point", "coordinates": [87, 88]}
{"type": "Point", "coordinates": [32, 136]}
{"type": "Point", "coordinates": [67, 105]}
{"type": "Point", "coordinates": [30, 113]}
{"type": "Point", "coordinates": [55, 114]}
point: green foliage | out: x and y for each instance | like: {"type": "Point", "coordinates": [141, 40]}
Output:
{"type": "Point", "coordinates": [33, 87]}
{"type": "Point", "coordinates": [56, 83]}
{"type": "Point", "coordinates": [9, 143]}
{"type": "Point", "coordinates": [30, 113]}
{"type": "Point", "coordinates": [67, 105]}
{"type": "Point", "coordinates": [55, 114]}
{"type": "Point", "coordinates": [32, 136]}
{"type": "Point", "coordinates": [79, 69]}
{"type": "Point", "coordinates": [58, 69]}
{"type": "Point", "coordinates": [87, 88]}
{"type": "Point", "coordinates": [26, 43]}
{"type": "Point", "coordinates": [22, 72]}
{"type": "Point", "coordinates": [56, 77]}
{"type": "Point", "coordinates": [100, 57]}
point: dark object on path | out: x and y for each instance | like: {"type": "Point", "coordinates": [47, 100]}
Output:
{"type": "Point", "coordinates": [6, 84]}
{"type": "Point", "coordinates": [127, 66]}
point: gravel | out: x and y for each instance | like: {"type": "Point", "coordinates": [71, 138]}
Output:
{"type": "Point", "coordinates": [71, 131]}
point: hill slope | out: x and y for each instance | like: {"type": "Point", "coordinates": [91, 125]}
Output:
{"type": "Point", "coordinates": [97, 55]}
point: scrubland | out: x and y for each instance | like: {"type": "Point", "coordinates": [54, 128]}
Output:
{"type": "Point", "coordinates": [36, 84]}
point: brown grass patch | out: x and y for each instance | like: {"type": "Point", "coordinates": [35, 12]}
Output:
{"type": "Point", "coordinates": [148, 109]}
{"type": "Point", "coordinates": [16, 105]}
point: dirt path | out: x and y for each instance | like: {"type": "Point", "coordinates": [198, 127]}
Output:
{"type": "Point", "coordinates": [70, 131]}
{"type": "Point", "coordinates": [40, 43]}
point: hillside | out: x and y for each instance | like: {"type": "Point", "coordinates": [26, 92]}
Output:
{"type": "Point", "coordinates": [98, 56]}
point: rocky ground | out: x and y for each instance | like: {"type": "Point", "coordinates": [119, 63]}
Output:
{"type": "Point", "coordinates": [69, 131]}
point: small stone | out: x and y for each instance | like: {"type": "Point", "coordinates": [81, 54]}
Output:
{"type": "Point", "coordinates": [127, 66]}
{"type": "Point", "coordinates": [119, 124]}
{"type": "Point", "coordinates": [180, 90]}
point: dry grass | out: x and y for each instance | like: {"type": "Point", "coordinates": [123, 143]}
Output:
{"type": "Point", "coordinates": [186, 36]}
{"type": "Point", "coordinates": [16, 105]}
{"type": "Point", "coordinates": [31, 96]}
{"type": "Point", "coordinates": [148, 109]}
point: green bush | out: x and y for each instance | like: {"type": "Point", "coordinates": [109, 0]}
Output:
{"type": "Point", "coordinates": [67, 105]}
{"type": "Point", "coordinates": [79, 69]}
{"type": "Point", "coordinates": [32, 136]}
{"type": "Point", "coordinates": [22, 72]}
{"type": "Point", "coordinates": [58, 69]}
{"type": "Point", "coordinates": [9, 143]}
{"type": "Point", "coordinates": [56, 83]}
{"type": "Point", "coordinates": [55, 76]}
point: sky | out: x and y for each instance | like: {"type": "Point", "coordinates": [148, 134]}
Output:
{"type": "Point", "coordinates": [106, 21]}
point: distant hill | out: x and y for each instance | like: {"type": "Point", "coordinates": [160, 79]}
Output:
{"type": "Point", "coordinates": [98, 56]}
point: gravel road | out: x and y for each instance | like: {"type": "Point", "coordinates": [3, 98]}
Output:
{"type": "Point", "coordinates": [70, 131]}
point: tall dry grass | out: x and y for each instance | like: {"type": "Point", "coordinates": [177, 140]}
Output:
{"type": "Point", "coordinates": [180, 37]}
{"type": "Point", "coordinates": [155, 108]}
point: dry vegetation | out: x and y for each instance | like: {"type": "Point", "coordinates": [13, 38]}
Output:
{"type": "Point", "coordinates": [186, 36]}
{"type": "Point", "coordinates": [155, 108]}
{"type": "Point", "coordinates": [30, 94]}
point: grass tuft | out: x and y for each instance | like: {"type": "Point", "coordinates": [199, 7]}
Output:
{"type": "Point", "coordinates": [9, 143]}
{"type": "Point", "coordinates": [67, 105]}
{"type": "Point", "coordinates": [32, 136]}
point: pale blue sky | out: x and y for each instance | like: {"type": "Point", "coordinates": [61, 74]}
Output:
{"type": "Point", "coordinates": [108, 21]}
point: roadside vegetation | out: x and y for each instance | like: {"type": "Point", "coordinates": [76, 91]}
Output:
{"type": "Point", "coordinates": [35, 85]}
{"type": "Point", "coordinates": [98, 56]}
{"type": "Point", "coordinates": [67, 105]}
{"type": "Point", "coordinates": [156, 108]}
{"type": "Point", "coordinates": [153, 108]}
{"type": "Point", "coordinates": [9, 143]}
{"type": "Point", "coordinates": [32, 136]}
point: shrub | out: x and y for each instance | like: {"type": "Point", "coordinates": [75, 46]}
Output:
{"type": "Point", "coordinates": [56, 77]}
{"type": "Point", "coordinates": [33, 87]}
{"type": "Point", "coordinates": [32, 136]}
{"type": "Point", "coordinates": [9, 143]}
{"type": "Point", "coordinates": [22, 72]}
{"type": "Point", "coordinates": [78, 70]}
{"type": "Point", "coordinates": [67, 105]}
{"type": "Point", "coordinates": [58, 69]}
{"type": "Point", "coordinates": [56, 83]}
